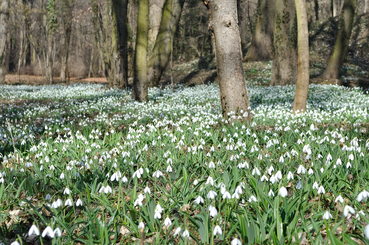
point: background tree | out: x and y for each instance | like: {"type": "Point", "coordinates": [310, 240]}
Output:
{"type": "Point", "coordinates": [262, 39]}
{"type": "Point", "coordinates": [67, 8]}
{"type": "Point", "coordinates": [224, 24]}
{"type": "Point", "coordinates": [51, 25]}
{"type": "Point", "coordinates": [140, 82]}
{"type": "Point", "coordinates": [302, 83]}
{"type": "Point", "coordinates": [284, 69]}
{"type": "Point", "coordinates": [340, 49]}
{"type": "Point", "coordinates": [4, 17]}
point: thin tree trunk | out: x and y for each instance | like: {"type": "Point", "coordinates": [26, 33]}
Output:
{"type": "Point", "coordinates": [302, 83]}
{"type": "Point", "coordinates": [340, 49]}
{"type": "Point", "coordinates": [4, 18]}
{"type": "Point", "coordinates": [284, 69]}
{"type": "Point", "coordinates": [163, 45]}
{"type": "Point", "coordinates": [67, 8]}
{"type": "Point", "coordinates": [140, 82]}
{"type": "Point", "coordinates": [233, 93]}
{"type": "Point", "coordinates": [51, 24]}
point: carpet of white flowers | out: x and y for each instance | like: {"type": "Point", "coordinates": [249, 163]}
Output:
{"type": "Point", "coordinates": [84, 164]}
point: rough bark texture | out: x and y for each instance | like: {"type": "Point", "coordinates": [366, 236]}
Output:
{"type": "Point", "coordinates": [262, 40]}
{"type": "Point", "coordinates": [155, 14]}
{"type": "Point", "coordinates": [242, 10]}
{"type": "Point", "coordinates": [140, 72]}
{"type": "Point", "coordinates": [284, 69]}
{"type": "Point", "coordinates": [4, 17]}
{"type": "Point", "coordinates": [233, 92]}
{"type": "Point", "coordinates": [163, 45]}
{"type": "Point", "coordinates": [120, 27]}
{"type": "Point", "coordinates": [51, 28]}
{"type": "Point", "coordinates": [302, 83]}
{"type": "Point", "coordinates": [67, 16]}
{"type": "Point", "coordinates": [343, 37]}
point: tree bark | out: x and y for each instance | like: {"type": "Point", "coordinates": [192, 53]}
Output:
{"type": "Point", "coordinates": [233, 92]}
{"type": "Point", "coordinates": [155, 14]}
{"type": "Point", "coordinates": [4, 17]}
{"type": "Point", "coordinates": [163, 45]}
{"type": "Point", "coordinates": [51, 22]}
{"type": "Point", "coordinates": [67, 16]}
{"type": "Point", "coordinates": [340, 49]}
{"type": "Point", "coordinates": [242, 10]}
{"type": "Point", "coordinates": [140, 82]}
{"type": "Point", "coordinates": [284, 69]}
{"type": "Point", "coordinates": [302, 83]}
{"type": "Point", "coordinates": [262, 40]}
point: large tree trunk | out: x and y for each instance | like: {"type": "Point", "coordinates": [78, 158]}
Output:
{"type": "Point", "coordinates": [262, 40]}
{"type": "Point", "coordinates": [67, 15]}
{"type": "Point", "coordinates": [155, 14]}
{"type": "Point", "coordinates": [302, 83]}
{"type": "Point", "coordinates": [163, 45]}
{"type": "Point", "coordinates": [4, 17]}
{"type": "Point", "coordinates": [140, 82]}
{"type": "Point", "coordinates": [342, 42]}
{"type": "Point", "coordinates": [233, 92]}
{"type": "Point", "coordinates": [284, 69]}
{"type": "Point", "coordinates": [120, 22]}
{"type": "Point", "coordinates": [242, 10]}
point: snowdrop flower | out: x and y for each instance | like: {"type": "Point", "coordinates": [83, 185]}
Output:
{"type": "Point", "coordinates": [362, 196]}
{"type": "Point", "coordinates": [321, 190]}
{"type": "Point", "coordinates": [315, 185]}
{"type": "Point", "coordinates": [167, 222]}
{"type": "Point", "coordinates": [124, 179]}
{"type": "Point", "coordinates": [327, 215]}
{"type": "Point", "coordinates": [169, 169]}
{"type": "Point", "coordinates": [210, 181]}
{"type": "Point", "coordinates": [264, 178]}
{"type": "Point", "coordinates": [253, 199]}
{"type": "Point", "coordinates": [57, 203]}
{"type": "Point", "coordinates": [339, 199]}
{"type": "Point", "coordinates": [57, 232]}
{"type": "Point", "coordinates": [68, 202]}
{"type": "Point", "coordinates": [33, 231]}
{"type": "Point", "coordinates": [235, 241]}
{"type": "Point", "coordinates": [217, 230]}
{"type": "Point", "coordinates": [235, 195]}
{"type": "Point", "coordinates": [339, 162]}
{"type": "Point", "coordinates": [238, 190]}
{"type": "Point", "coordinates": [79, 203]}
{"type": "Point", "coordinates": [157, 215]}
{"type": "Point", "coordinates": [139, 200]}
{"type": "Point", "coordinates": [138, 173]}
{"type": "Point", "coordinates": [351, 157]}
{"type": "Point", "coordinates": [13, 243]}
{"type": "Point", "coordinates": [348, 165]}
{"type": "Point", "coordinates": [67, 191]}
{"type": "Point", "coordinates": [157, 174]}
{"type": "Point", "coordinates": [366, 231]}
{"type": "Point", "coordinates": [107, 189]}
{"type": "Point", "coordinates": [271, 193]}
{"type": "Point", "coordinates": [147, 190]}
{"type": "Point", "coordinates": [48, 197]}
{"type": "Point", "coordinates": [322, 170]}
{"type": "Point", "coordinates": [329, 158]}
{"type": "Point", "coordinates": [301, 170]}
{"type": "Point", "coordinates": [289, 175]}
{"type": "Point", "coordinates": [255, 171]}
{"type": "Point", "coordinates": [211, 194]}
{"type": "Point", "coordinates": [226, 195]}
{"type": "Point", "coordinates": [299, 185]}
{"type": "Point", "coordinates": [360, 213]}
{"type": "Point", "coordinates": [270, 170]}
{"type": "Point", "coordinates": [348, 209]}
{"type": "Point", "coordinates": [211, 165]}
{"type": "Point", "coordinates": [48, 232]}
{"type": "Point", "coordinates": [213, 211]}
{"type": "Point", "coordinates": [195, 182]}
{"type": "Point", "coordinates": [283, 191]}
{"type": "Point", "coordinates": [199, 200]}
{"type": "Point", "coordinates": [62, 176]}
{"type": "Point", "coordinates": [141, 225]}
{"type": "Point", "coordinates": [186, 234]}
{"type": "Point", "coordinates": [310, 172]}
{"type": "Point", "coordinates": [281, 159]}
{"type": "Point", "coordinates": [278, 175]}
{"type": "Point", "coordinates": [158, 208]}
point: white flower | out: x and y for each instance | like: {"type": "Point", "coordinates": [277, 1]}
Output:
{"type": "Point", "coordinates": [141, 225]}
{"type": "Point", "coordinates": [79, 202]}
{"type": "Point", "coordinates": [366, 231]}
{"type": "Point", "coordinates": [48, 197]}
{"type": "Point", "coordinates": [169, 169]}
{"type": "Point", "coordinates": [256, 171]}
{"type": "Point", "coordinates": [339, 199]}
{"type": "Point", "coordinates": [301, 170]}
{"type": "Point", "coordinates": [289, 175]}
{"type": "Point", "coordinates": [238, 190]}
{"type": "Point", "coordinates": [348, 209]}
{"type": "Point", "coordinates": [339, 162]}
{"type": "Point", "coordinates": [124, 179]}
{"type": "Point", "coordinates": [13, 243]}
{"type": "Point", "coordinates": [327, 215]}
{"type": "Point", "coordinates": [213, 211]}
{"type": "Point", "coordinates": [217, 230]}
{"type": "Point", "coordinates": [278, 175]}
{"type": "Point", "coordinates": [167, 222]}
{"type": "Point", "coordinates": [270, 170]}
{"type": "Point", "coordinates": [348, 165]}
{"type": "Point", "coordinates": [199, 200]}
{"type": "Point", "coordinates": [264, 178]}
{"type": "Point", "coordinates": [235, 241]}
{"type": "Point", "coordinates": [299, 185]}
{"type": "Point", "coordinates": [67, 191]}
{"type": "Point", "coordinates": [283, 191]}
{"type": "Point", "coordinates": [33, 231]}
{"type": "Point", "coordinates": [253, 199]}
{"type": "Point", "coordinates": [57, 232]}
{"type": "Point", "coordinates": [310, 172]}
{"type": "Point", "coordinates": [157, 174]}
{"type": "Point", "coordinates": [68, 202]}
{"type": "Point", "coordinates": [211, 165]}
{"type": "Point", "coordinates": [351, 157]}
{"type": "Point", "coordinates": [210, 181]}
{"type": "Point", "coordinates": [157, 215]}
{"type": "Point", "coordinates": [235, 195]}
{"type": "Point", "coordinates": [321, 190]}
{"type": "Point", "coordinates": [147, 190]}
{"type": "Point", "coordinates": [315, 185]}
{"type": "Point", "coordinates": [271, 193]}
{"type": "Point", "coordinates": [159, 209]}
{"type": "Point", "coordinates": [226, 195]}
{"type": "Point", "coordinates": [177, 231]}
{"type": "Point", "coordinates": [281, 159]}
{"type": "Point", "coordinates": [48, 232]}
{"type": "Point", "coordinates": [186, 234]}
{"type": "Point", "coordinates": [322, 170]}
{"type": "Point", "coordinates": [211, 194]}
{"type": "Point", "coordinates": [62, 176]}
